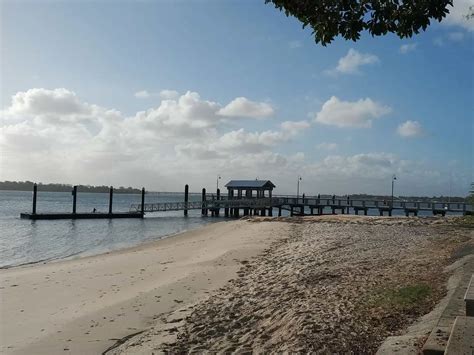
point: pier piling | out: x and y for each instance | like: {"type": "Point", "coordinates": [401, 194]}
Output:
{"type": "Point", "coordinates": [203, 198]}
{"type": "Point", "coordinates": [186, 198]}
{"type": "Point", "coordinates": [74, 198]}
{"type": "Point", "coordinates": [111, 198]}
{"type": "Point", "coordinates": [143, 202]}
{"type": "Point", "coordinates": [35, 192]}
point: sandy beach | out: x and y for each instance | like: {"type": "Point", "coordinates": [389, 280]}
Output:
{"type": "Point", "coordinates": [85, 306]}
{"type": "Point", "coordinates": [265, 284]}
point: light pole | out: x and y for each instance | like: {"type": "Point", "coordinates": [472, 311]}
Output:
{"type": "Point", "coordinates": [393, 183]}
{"type": "Point", "coordinates": [298, 188]}
{"type": "Point", "coordinates": [217, 181]}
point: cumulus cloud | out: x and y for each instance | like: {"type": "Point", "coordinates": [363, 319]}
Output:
{"type": "Point", "coordinates": [352, 61]}
{"type": "Point", "coordinates": [408, 47]}
{"type": "Point", "coordinates": [169, 94]}
{"type": "Point", "coordinates": [182, 140]}
{"type": "Point", "coordinates": [457, 15]}
{"type": "Point", "coordinates": [143, 94]}
{"type": "Point", "coordinates": [410, 129]}
{"type": "Point", "coordinates": [243, 107]}
{"type": "Point", "coordinates": [163, 94]}
{"type": "Point", "coordinates": [54, 136]}
{"type": "Point", "coordinates": [44, 102]}
{"type": "Point", "coordinates": [361, 113]}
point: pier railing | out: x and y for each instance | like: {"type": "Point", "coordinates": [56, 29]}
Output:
{"type": "Point", "coordinates": [208, 204]}
{"type": "Point", "coordinates": [335, 203]}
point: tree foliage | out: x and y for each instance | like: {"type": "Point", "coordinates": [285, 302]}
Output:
{"type": "Point", "coordinates": [348, 18]}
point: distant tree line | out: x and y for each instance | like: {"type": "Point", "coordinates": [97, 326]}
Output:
{"type": "Point", "coordinates": [28, 186]}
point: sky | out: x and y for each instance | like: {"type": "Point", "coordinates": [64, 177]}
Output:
{"type": "Point", "coordinates": [166, 93]}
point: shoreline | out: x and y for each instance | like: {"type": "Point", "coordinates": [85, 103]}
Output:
{"type": "Point", "coordinates": [85, 305]}
{"type": "Point", "coordinates": [77, 255]}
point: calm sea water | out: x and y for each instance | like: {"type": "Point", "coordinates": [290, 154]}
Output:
{"type": "Point", "coordinates": [26, 241]}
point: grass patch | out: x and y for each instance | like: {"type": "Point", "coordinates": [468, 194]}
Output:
{"type": "Point", "coordinates": [404, 297]}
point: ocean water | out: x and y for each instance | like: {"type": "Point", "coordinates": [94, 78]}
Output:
{"type": "Point", "coordinates": [24, 241]}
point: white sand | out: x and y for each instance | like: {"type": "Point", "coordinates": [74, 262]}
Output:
{"type": "Point", "coordinates": [84, 306]}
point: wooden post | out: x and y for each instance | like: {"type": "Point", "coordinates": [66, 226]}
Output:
{"type": "Point", "coordinates": [143, 202]}
{"type": "Point", "coordinates": [291, 210]}
{"type": "Point", "coordinates": [203, 199]}
{"type": "Point", "coordinates": [111, 198]}
{"type": "Point", "coordinates": [279, 211]}
{"type": "Point", "coordinates": [218, 194]}
{"type": "Point", "coordinates": [35, 192]}
{"type": "Point", "coordinates": [186, 197]}
{"type": "Point", "coordinates": [74, 198]}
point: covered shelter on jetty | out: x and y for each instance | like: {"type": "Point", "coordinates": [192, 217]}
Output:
{"type": "Point", "coordinates": [249, 188]}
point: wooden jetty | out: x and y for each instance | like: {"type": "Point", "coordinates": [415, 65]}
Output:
{"type": "Point", "coordinates": [254, 197]}
{"type": "Point", "coordinates": [83, 215]}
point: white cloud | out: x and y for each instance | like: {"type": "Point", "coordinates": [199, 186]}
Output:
{"type": "Point", "coordinates": [409, 47]}
{"type": "Point", "coordinates": [163, 94]}
{"type": "Point", "coordinates": [352, 61]}
{"type": "Point", "coordinates": [327, 146]}
{"type": "Point", "coordinates": [52, 135]}
{"type": "Point", "coordinates": [294, 127]}
{"type": "Point", "coordinates": [169, 94]}
{"type": "Point", "coordinates": [46, 102]}
{"type": "Point", "coordinates": [410, 129]}
{"type": "Point", "coordinates": [143, 94]}
{"type": "Point", "coordinates": [457, 15]}
{"type": "Point", "coordinates": [243, 107]}
{"type": "Point", "coordinates": [46, 140]}
{"type": "Point", "coordinates": [361, 113]}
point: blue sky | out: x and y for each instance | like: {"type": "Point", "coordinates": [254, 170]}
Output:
{"type": "Point", "coordinates": [348, 104]}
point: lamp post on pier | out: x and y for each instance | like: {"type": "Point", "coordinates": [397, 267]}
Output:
{"type": "Point", "coordinates": [298, 188]}
{"type": "Point", "coordinates": [217, 181]}
{"type": "Point", "coordinates": [393, 183]}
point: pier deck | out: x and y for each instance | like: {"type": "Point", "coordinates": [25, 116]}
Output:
{"type": "Point", "coordinates": [308, 206]}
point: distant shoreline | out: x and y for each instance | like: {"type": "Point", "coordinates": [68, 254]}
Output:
{"type": "Point", "coordinates": [28, 186]}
